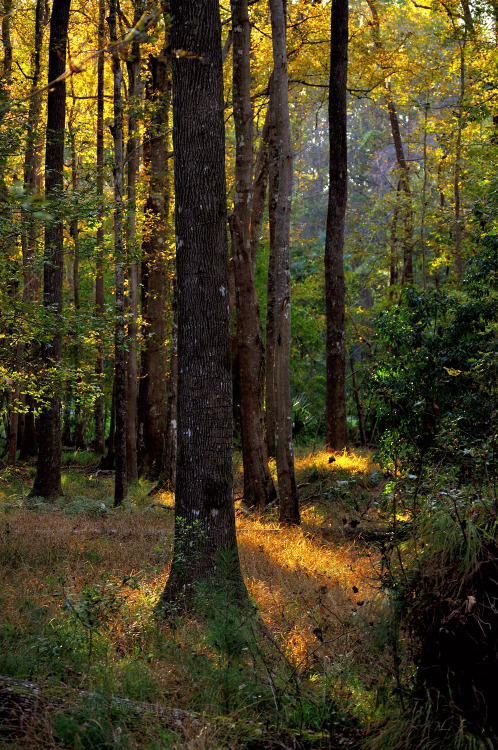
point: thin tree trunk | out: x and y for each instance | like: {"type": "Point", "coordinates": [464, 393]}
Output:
{"type": "Point", "coordinates": [393, 260]}
{"type": "Point", "coordinates": [270, 339]}
{"type": "Point", "coordinates": [205, 547]}
{"type": "Point", "coordinates": [287, 488]}
{"type": "Point", "coordinates": [120, 489]}
{"type": "Point", "coordinates": [79, 427]}
{"type": "Point", "coordinates": [155, 280]}
{"type": "Point", "coordinates": [261, 171]}
{"type": "Point", "coordinates": [99, 439]}
{"type": "Point", "coordinates": [48, 470]}
{"type": "Point", "coordinates": [258, 483]}
{"type": "Point", "coordinates": [358, 402]}
{"type": "Point", "coordinates": [404, 175]}
{"type": "Point", "coordinates": [29, 232]}
{"type": "Point", "coordinates": [133, 66]}
{"type": "Point", "coordinates": [6, 40]}
{"type": "Point", "coordinates": [335, 291]}
{"type": "Point", "coordinates": [458, 162]}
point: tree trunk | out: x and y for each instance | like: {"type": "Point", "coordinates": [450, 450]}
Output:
{"type": "Point", "coordinates": [287, 488]}
{"type": "Point", "coordinates": [48, 470]}
{"type": "Point", "coordinates": [205, 547]}
{"type": "Point", "coordinates": [29, 239]}
{"type": "Point", "coordinates": [155, 281]}
{"type": "Point", "coordinates": [133, 66]}
{"type": "Point", "coordinates": [119, 340]}
{"type": "Point", "coordinates": [270, 285]}
{"type": "Point", "coordinates": [458, 162]}
{"type": "Point", "coordinates": [404, 175]}
{"type": "Point", "coordinates": [258, 483]}
{"type": "Point", "coordinates": [335, 292]}
{"type": "Point", "coordinates": [99, 439]}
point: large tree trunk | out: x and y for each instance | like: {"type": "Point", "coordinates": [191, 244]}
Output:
{"type": "Point", "coordinates": [48, 470]}
{"type": "Point", "coordinates": [258, 483]}
{"type": "Point", "coordinates": [99, 439]}
{"type": "Point", "coordinates": [119, 345]}
{"type": "Point", "coordinates": [155, 280]}
{"type": "Point", "coordinates": [205, 547]}
{"type": "Point", "coordinates": [335, 407]}
{"type": "Point", "coordinates": [133, 66]}
{"type": "Point", "coordinates": [287, 488]}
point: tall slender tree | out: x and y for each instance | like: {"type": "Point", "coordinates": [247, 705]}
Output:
{"type": "Point", "coordinates": [335, 409]}
{"type": "Point", "coordinates": [287, 488]}
{"type": "Point", "coordinates": [155, 280]}
{"type": "Point", "coordinates": [120, 484]}
{"type": "Point", "coordinates": [204, 509]}
{"type": "Point", "coordinates": [132, 160]}
{"type": "Point", "coordinates": [48, 469]}
{"type": "Point", "coordinates": [258, 483]}
{"type": "Point", "coordinates": [99, 440]}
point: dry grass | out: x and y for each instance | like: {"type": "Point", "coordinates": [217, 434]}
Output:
{"type": "Point", "coordinates": [313, 595]}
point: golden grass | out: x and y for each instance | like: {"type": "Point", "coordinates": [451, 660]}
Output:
{"type": "Point", "coordinates": [301, 584]}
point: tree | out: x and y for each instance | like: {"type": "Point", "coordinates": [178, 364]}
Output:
{"type": "Point", "coordinates": [204, 509]}
{"type": "Point", "coordinates": [48, 469]}
{"type": "Point", "coordinates": [153, 392]}
{"type": "Point", "coordinates": [99, 439]}
{"type": "Point", "coordinates": [287, 488]}
{"type": "Point", "coordinates": [335, 407]}
{"type": "Point", "coordinates": [120, 488]}
{"type": "Point", "coordinates": [258, 483]}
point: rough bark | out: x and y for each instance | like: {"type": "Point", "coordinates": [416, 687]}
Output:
{"type": "Point", "coordinates": [258, 483]}
{"type": "Point", "coordinates": [99, 439]}
{"type": "Point", "coordinates": [132, 160]}
{"type": "Point", "coordinates": [205, 547]}
{"type": "Point", "coordinates": [287, 488]}
{"type": "Point", "coordinates": [48, 470]}
{"type": "Point", "coordinates": [120, 482]}
{"type": "Point", "coordinates": [155, 279]}
{"type": "Point", "coordinates": [335, 291]}
{"type": "Point", "coordinates": [6, 40]}
{"type": "Point", "coordinates": [29, 231]}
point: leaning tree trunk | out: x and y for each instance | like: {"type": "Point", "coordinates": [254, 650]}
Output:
{"type": "Point", "coordinates": [205, 547]}
{"type": "Point", "coordinates": [335, 349]}
{"type": "Point", "coordinates": [287, 488]}
{"type": "Point", "coordinates": [119, 340]}
{"type": "Point", "coordinates": [48, 470]}
{"type": "Point", "coordinates": [155, 280]}
{"type": "Point", "coordinates": [258, 483]}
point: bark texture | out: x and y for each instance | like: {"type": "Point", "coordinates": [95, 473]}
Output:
{"type": "Point", "coordinates": [48, 470]}
{"type": "Point", "coordinates": [287, 488]}
{"type": "Point", "coordinates": [335, 406]}
{"type": "Point", "coordinates": [120, 481]}
{"type": "Point", "coordinates": [258, 483]}
{"type": "Point", "coordinates": [99, 439]}
{"type": "Point", "coordinates": [205, 547]}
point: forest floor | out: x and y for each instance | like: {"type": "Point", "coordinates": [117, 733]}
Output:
{"type": "Point", "coordinates": [84, 663]}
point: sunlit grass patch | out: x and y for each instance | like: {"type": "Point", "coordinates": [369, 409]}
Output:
{"type": "Point", "coordinates": [349, 462]}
